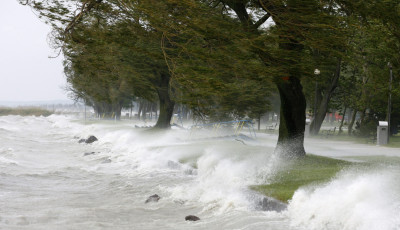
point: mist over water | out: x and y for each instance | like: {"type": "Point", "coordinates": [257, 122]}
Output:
{"type": "Point", "coordinates": [47, 183]}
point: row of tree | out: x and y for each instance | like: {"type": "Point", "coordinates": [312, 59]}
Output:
{"type": "Point", "coordinates": [224, 59]}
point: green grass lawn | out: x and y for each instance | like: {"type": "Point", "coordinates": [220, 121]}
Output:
{"type": "Point", "coordinates": [24, 111]}
{"type": "Point", "coordinates": [394, 140]}
{"type": "Point", "coordinates": [376, 160]}
{"type": "Point", "coordinates": [309, 170]}
{"type": "Point", "coordinates": [344, 137]}
{"type": "Point", "coordinates": [189, 161]}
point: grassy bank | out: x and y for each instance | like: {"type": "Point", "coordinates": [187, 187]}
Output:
{"type": "Point", "coordinates": [309, 170]}
{"type": "Point", "coordinates": [24, 111]}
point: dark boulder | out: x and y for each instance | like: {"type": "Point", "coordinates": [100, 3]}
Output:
{"type": "Point", "coordinates": [87, 154]}
{"type": "Point", "coordinates": [81, 140]}
{"type": "Point", "coordinates": [181, 202]}
{"type": "Point", "coordinates": [153, 198]}
{"type": "Point", "coordinates": [191, 218]}
{"type": "Point", "coordinates": [270, 204]}
{"type": "Point", "coordinates": [91, 139]}
{"type": "Point", "coordinates": [106, 161]}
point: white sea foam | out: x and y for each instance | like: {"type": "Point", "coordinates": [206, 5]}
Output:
{"type": "Point", "coordinates": [6, 161]}
{"type": "Point", "coordinates": [223, 176]}
{"type": "Point", "coordinates": [355, 200]}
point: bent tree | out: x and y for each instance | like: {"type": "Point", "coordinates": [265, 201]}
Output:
{"type": "Point", "coordinates": [284, 45]}
{"type": "Point", "coordinates": [287, 78]}
{"type": "Point", "coordinates": [135, 57]}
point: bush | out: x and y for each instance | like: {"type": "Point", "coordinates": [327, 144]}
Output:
{"type": "Point", "coordinates": [367, 128]}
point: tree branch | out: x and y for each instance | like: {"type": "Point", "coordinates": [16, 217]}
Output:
{"type": "Point", "coordinates": [86, 7]}
{"type": "Point", "coordinates": [269, 7]}
{"type": "Point", "coordinates": [241, 12]}
{"type": "Point", "coordinates": [262, 20]}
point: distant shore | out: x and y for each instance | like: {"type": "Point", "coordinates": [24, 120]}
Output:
{"type": "Point", "coordinates": [24, 111]}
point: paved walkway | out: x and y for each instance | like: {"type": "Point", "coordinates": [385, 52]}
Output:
{"type": "Point", "coordinates": [345, 148]}
{"type": "Point", "coordinates": [331, 148]}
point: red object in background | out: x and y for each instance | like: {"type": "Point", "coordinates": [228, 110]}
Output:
{"type": "Point", "coordinates": [285, 78]}
{"type": "Point", "coordinates": [338, 117]}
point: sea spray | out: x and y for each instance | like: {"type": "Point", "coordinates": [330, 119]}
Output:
{"type": "Point", "coordinates": [222, 170]}
{"type": "Point", "coordinates": [225, 172]}
{"type": "Point", "coordinates": [355, 200]}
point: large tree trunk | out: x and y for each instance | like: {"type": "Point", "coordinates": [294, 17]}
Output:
{"type": "Point", "coordinates": [150, 109]}
{"type": "Point", "coordinates": [97, 109]}
{"type": "Point", "coordinates": [166, 103]}
{"type": "Point", "coordinates": [293, 102]}
{"type": "Point", "coordinates": [156, 111]}
{"type": "Point", "coordinates": [341, 122]}
{"type": "Point", "coordinates": [184, 113]}
{"type": "Point", "coordinates": [292, 118]}
{"type": "Point", "coordinates": [323, 107]}
{"type": "Point", "coordinates": [130, 115]}
{"type": "Point", "coordinates": [144, 111]}
{"type": "Point", "coordinates": [153, 108]}
{"type": "Point", "coordinates": [140, 108]}
{"type": "Point", "coordinates": [362, 115]}
{"type": "Point", "coordinates": [353, 118]}
{"type": "Point", "coordinates": [104, 109]}
{"type": "Point", "coordinates": [117, 110]}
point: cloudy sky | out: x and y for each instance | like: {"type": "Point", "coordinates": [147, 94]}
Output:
{"type": "Point", "coordinates": [26, 72]}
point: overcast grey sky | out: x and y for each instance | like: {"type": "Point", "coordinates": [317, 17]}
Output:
{"type": "Point", "coordinates": [26, 72]}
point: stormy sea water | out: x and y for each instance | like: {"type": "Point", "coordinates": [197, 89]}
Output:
{"type": "Point", "coordinates": [50, 181]}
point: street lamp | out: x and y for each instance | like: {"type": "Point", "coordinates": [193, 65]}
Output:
{"type": "Point", "coordinates": [389, 110]}
{"type": "Point", "coordinates": [316, 72]}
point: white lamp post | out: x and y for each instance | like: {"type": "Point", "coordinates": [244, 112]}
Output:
{"type": "Point", "coordinates": [316, 72]}
{"type": "Point", "coordinates": [389, 110]}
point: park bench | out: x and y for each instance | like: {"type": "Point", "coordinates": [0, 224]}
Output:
{"type": "Point", "coordinates": [371, 138]}
{"type": "Point", "coordinates": [328, 132]}
{"type": "Point", "coordinates": [271, 127]}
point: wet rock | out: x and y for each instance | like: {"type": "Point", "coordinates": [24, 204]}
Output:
{"type": "Point", "coordinates": [190, 171]}
{"type": "Point", "coordinates": [106, 161]}
{"type": "Point", "coordinates": [153, 198]}
{"type": "Point", "coordinates": [87, 154]}
{"type": "Point", "coordinates": [174, 165]}
{"type": "Point", "coordinates": [81, 140]}
{"type": "Point", "coordinates": [181, 202]}
{"type": "Point", "coordinates": [240, 141]}
{"type": "Point", "coordinates": [265, 203]}
{"type": "Point", "coordinates": [191, 218]}
{"type": "Point", "coordinates": [91, 139]}
{"type": "Point", "coordinates": [270, 204]}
